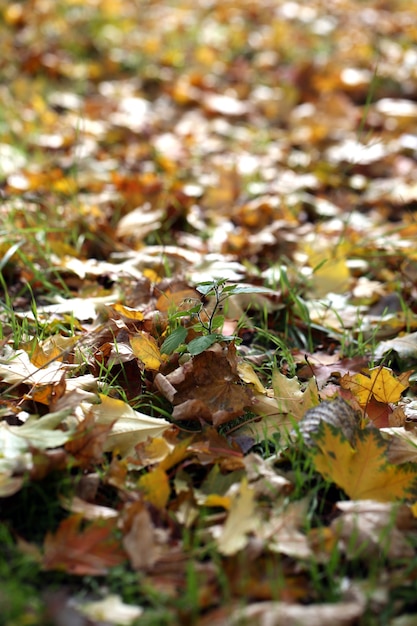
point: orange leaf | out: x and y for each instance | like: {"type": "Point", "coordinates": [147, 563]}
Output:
{"type": "Point", "coordinates": [363, 472]}
{"type": "Point", "coordinates": [89, 551]}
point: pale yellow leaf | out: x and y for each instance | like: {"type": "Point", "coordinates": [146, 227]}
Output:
{"type": "Point", "coordinates": [249, 376]}
{"type": "Point", "coordinates": [129, 426]}
{"type": "Point", "coordinates": [242, 519]}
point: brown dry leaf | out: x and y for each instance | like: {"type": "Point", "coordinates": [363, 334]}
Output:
{"type": "Point", "coordinates": [88, 443]}
{"type": "Point", "coordinates": [402, 445]}
{"type": "Point", "coordinates": [141, 540]}
{"type": "Point", "coordinates": [49, 394]}
{"type": "Point", "coordinates": [207, 387]}
{"type": "Point", "coordinates": [179, 299]}
{"type": "Point", "coordinates": [88, 551]}
{"type": "Point", "coordinates": [366, 528]}
{"type": "Point", "coordinates": [323, 366]}
{"type": "Point", "coordinates": [381, 384]}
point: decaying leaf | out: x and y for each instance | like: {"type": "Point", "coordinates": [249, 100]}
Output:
{"type": "Point", "coordinates": [142, 542]}
{"type": "Point", "coordinates": [83, 551]}
{"type": "Point", "coordinates": [337, 412]}
{"type": "Point", "coordinates": [207, 387]}
{"type": "Point", "coordinates": [367, 528]}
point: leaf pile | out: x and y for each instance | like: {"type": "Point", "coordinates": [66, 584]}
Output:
{"type": "Point", "coordinates": [207, 240]}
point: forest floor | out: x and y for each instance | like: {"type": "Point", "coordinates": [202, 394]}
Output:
{"type": "Point", "coordinates": [208, 312]}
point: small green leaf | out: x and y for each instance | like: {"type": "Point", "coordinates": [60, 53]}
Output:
{"type": "Point", "coordinates": [198, 345]}
{"type": "Point", "coordinates": [217, 321]}
{"type": "Point", "coordinates": [205, 289]}
{"type": "Point", "coordinates": [175, 339]}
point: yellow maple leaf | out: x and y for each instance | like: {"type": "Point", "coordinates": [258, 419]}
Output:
{"type": "Point", "coordinates": [146, 350]}
{"type": "Point", "coordinates": [363, 471]}
{"type": "Point", "coordinates": [380, 383]}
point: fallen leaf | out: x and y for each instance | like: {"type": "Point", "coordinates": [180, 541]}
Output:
{"type": "Point", "coordinates": [129, 427]}
{"type": "Point", "coordinates": [207, 387]}
{"type": "Point", "coordinates": [146, 350]}
{"type": "Point", "coordinates": [381, 384]}
{"type": "Point", "coordinates": [155, 487]}
{"type": "Point", "coordinates": [366, 528]}
{"type": "Point", "coordinates": [363, 471]}
{"type": "Point", "coordinates": [241, 520]}
{"type": "Point", "coordinates": [111, 609]}
{"type": "Point", "coordinates": [89, 551]}
{"type": "Point", "coordinates": [142, 542]}
{"type": "Point", "coordinates": [278, 613]}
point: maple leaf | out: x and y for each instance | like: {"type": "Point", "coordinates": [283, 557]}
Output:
{"type": "Point", "coordinates": [89, 551]}
{"type": "Point", "coordinates": [363, 471]}
{"type": "Point", "coordinates": [380, 383]}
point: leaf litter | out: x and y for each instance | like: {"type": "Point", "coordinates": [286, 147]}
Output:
{"type": "Point", "coordinates": [208, 310]}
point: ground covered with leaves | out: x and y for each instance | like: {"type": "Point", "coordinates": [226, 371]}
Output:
{"type": "Point", "coordinates": [208, 321]}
